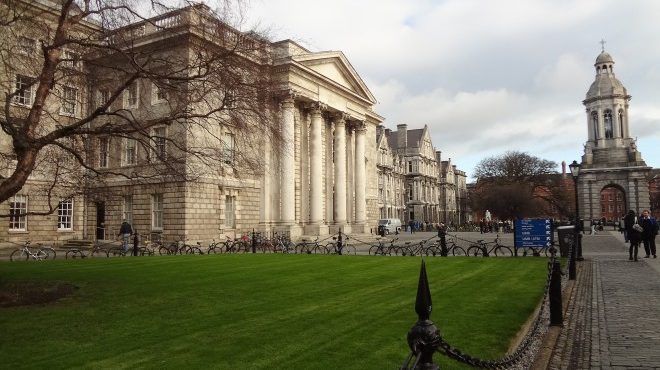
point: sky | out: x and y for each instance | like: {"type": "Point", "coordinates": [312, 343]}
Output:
{"type": "Point", "coordinates": [486, 76]}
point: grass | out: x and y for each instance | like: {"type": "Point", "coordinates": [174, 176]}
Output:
{"type": "Point", "coordinates": [262, 311]}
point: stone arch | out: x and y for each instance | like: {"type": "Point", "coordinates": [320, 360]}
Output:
{"type": "Point", "coordinates": [613, 201]}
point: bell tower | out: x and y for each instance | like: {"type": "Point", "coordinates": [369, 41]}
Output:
{"type": "Point", "coordinates": [611, 163]}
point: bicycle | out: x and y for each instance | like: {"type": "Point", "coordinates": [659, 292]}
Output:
{"type": "Point", "coordinates": [25, 254]}
{"type": "Point", "coordinates": [436, 249]}
{"type": "Point", "coordinates": [334, 248]}
{"type": "Point", "coordinates": [76, 253]}
{"type": "Point", "coordinates": [308, 247]}
{"type": "Point", "coordinates": [482, 248]}
{"type": "Point", "coordinates": [380, 249]}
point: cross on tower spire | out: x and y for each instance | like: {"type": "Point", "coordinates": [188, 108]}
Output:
{"type": "Point", "coordinates": [602, 45]}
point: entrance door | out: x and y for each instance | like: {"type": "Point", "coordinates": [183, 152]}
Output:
{"type": "Point", "coordinates": [100, 220]}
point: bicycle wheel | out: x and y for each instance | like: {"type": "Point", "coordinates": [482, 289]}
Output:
{"type": "Point", "coordinates": [19, 255]}
{"type": "Point", "coordinates": [73, 254]}
{"type": "Point", "coordinates": [50, 253]}
{"type": "Point", "coordinates": [402, 251]}
{"type": "Point", "coordinates": [458, 251]}
{"type": "Point", "coordinates": [319, 249]}
{"type": "Point", "coordinates": [163, 250]}
{"type": "Point", "coordinates": [115, 252]}
{"type": "Point", "coordinates": [194, 250]}
{"type": "Point", "coordinates": [376, 250]}
{"type": "Point", "coordinates": [349, 250]}
{"type": "Point", "coordinates": [503, 251]}
{"type": "Point", "coordinates": [525, 252]}
{"type": "Point", "coordinates": [474, 251]}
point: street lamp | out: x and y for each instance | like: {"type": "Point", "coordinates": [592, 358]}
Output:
{"type": "Point", "coordinates": [575, 172]}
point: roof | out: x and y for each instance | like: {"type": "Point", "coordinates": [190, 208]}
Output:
{"type": "Point", "coordinates": [604, 57]}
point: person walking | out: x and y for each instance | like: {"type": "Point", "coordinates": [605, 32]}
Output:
{"type": "Point", "coordinates": [634, 236]}
{"type": "Point", "coordinates": [125, 231]}
{"type": "Point", "coordinates": [650, 226]}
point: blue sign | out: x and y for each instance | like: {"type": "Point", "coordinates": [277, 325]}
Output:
{"type": "Point", "coordinates": [535, 233]}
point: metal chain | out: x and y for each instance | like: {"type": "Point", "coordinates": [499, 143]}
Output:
{"type": "Point", "coordinates": [509, 360]}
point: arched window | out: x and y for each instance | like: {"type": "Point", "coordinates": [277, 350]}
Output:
{"type": "Point", "coordinates": [609, 130]}
{"type": "Point", "coordinates": [594, 122]}
{"type": "Point", "coordinates": [621, 122]}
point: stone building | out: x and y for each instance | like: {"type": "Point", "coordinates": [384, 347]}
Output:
{"type": "Point", "coordinates": [611, 165]}
{"type": "Point", "coordinates": [321, 180]}
{"type": "Point", "coordinates": [413, 184]}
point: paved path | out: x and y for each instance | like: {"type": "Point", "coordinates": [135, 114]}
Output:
{"type": "Point", "coordinates": [613, 319]}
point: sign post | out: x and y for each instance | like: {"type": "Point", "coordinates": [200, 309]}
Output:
{"type": "Point", "coordinates": [533, 233]}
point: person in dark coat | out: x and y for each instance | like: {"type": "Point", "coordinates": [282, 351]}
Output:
{"type": "Point", "coordinates": [634, 236]}
{"type": "Point", "coordinates": [650, 226]}
{"type": "Point", "coordinates": [125, 231]}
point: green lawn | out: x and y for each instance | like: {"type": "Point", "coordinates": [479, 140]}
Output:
{"type": "Point", "coordinates": [262, 311]}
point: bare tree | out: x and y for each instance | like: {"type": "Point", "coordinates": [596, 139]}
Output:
{"type": "Point", "coordinates": [113, 89]}
{"type": "Point", "coordinates": [517, 184]}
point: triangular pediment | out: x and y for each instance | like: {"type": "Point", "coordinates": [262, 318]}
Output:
{"type": "Point", "coordinates": [334, 66]}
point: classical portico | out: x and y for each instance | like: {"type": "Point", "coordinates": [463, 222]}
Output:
{"type": "Point", "coordinates": [319, 182]}
{"type": "Point", "coordinates": [611, 158]}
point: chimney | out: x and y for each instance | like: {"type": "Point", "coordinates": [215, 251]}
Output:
{"type": "Point", "coordinates": [438, 156]}
{"type": "Point", "coordinates": [402, 136]}
{"type": "Point", "coordinates": [563, 168]}
{"type": "Point", "coordinates": [379, 130]}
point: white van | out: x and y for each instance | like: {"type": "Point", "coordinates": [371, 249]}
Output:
{"type": "Point", "coordinates": [391, 225]}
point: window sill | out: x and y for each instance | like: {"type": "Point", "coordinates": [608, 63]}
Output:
{"type": "Point", "coordinates": [65, 230]}
{"type": "Point", "coordinates": [18, 231]}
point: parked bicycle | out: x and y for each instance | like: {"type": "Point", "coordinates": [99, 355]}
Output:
{"type": "Point", "coordinates": [380, 249]}
{"type": "Point", "coordinates": [97, 250]}
{"type": "Point", "coordinates": [36, 254]}
{"type": "Point", "coordinates": [485, 249]}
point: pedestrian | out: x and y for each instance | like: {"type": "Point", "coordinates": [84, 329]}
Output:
{"type": "Point", "coordinates": [125, 231]}
{"type": "Point", "coordinates": [634, 236]}
{"type": "Point", "coordinates": [411, 224]}
{"type": "Point", "coordinates": [650, 226]}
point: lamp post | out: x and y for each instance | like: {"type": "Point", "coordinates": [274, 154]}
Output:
{"type": "Point", "coordinates": [575, 172]}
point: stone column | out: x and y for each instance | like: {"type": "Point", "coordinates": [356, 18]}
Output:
{"type": "Point", "coordinates": [340, 171]}
{"type": "Point", "coordinates": [361, 180]}
{"type": "Point", "coordinates": [265, 216]}
{"type": "Point", "coordinates": [316, 182]}
{"type": "Point", "coordinates": [287, 164]}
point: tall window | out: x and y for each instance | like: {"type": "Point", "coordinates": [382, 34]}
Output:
{"type": "Point", "coordinates": [130, 151]}
{"type": "Point", "coordinates": [127, 212]}
{"type": "Point", "coordinates": [131, 96]}
{"type": "Point", "coordinates": [594, 122]}
{"type": "Point", "coordinates": [157, 211]}
{"type": "Point", "coordinates": [65, 215]}
{"type": "Point", "coordinates": [159, 135]}
{"type": "Point", "coordinates": [17, 213]}
{"type": "Point", "coordinates": [69, 98]}
{"type": "Point", "coordinates": [230, 211]}
{"type": "Point", "coordinates": [70, 59]}
{"type": "Point", "coordinates": [621, 122]}
{"type": "Point", "coordinates": [24, 90]}
{"type": "Point", "coordinates": [104, 96]}
{"type": "Point", "coordinates": [26, 45]}
{"type": "Point", "coordinates": [104, 145]}
{"type": "Point", "coordinates": [228, 148]}
{"type": "Point", "coordinates": [609, 130]}
{"type": "Point", "coordinates": [158, 94]}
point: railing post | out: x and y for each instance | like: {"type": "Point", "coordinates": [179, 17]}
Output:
{"type": "Point", "coordinates": [424, 336]}
{"type": "Point", "coordinates": [556, 315]}
{"type": "Point", "coordinates": [579, 248]}
{"type": "Point", "coordinates": [572, 273]}
{"type": "Point", "coordinates": [339, 243]}
{"type": "Point", "coordinates": [136, 241]}
{"type": "Point", "coordinates": [254, 242]}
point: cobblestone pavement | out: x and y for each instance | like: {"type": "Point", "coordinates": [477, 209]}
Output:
{"type": "Point", "coordinates": [613, 319]}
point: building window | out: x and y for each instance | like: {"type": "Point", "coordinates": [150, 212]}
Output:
{"type": "Point", "coordinates": [618, 196]}
{"type": "Point", "coordinates": [18, 213]}
{"type": "Point", "coordinates": [65, 215]}
{"type": "Point", "coordinates": [409, 166]}
{"type": "Point", "coordinates": [594, 121]}
{"type": "Point", "coordinates": [104, 146]}
{"type": "Point", "coordinates": [127, 211]}
{"type": "Point", "coordinates": [131, 96]}
{"type": "Point", "coordinates": [70, 59]}
{"type": "Point", "coordinates": [621, 122]}
{"type": "Point", "coordinates": [69, 99]}
{"type": "Point", "coordinates": [158, 94]}
{"type": "Point", "coordinates": [104, 96]}
{"type": "Point", "coordinates": [159, 142]}
{"type": "Point", "coordinates": [24, 90]}
{"type": "Point", "coordinates": [157, 211]}
{"type": "Point", "coordinates": [609, 130]}
{"type": "Point", "coordinates": [130, 149]}
{"type": "Point", "coordinates": [26, 45]}
{"type": "Point", "coordinates": [228, 148]}
{"type": "Point", "coordinates": [230, 211]}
